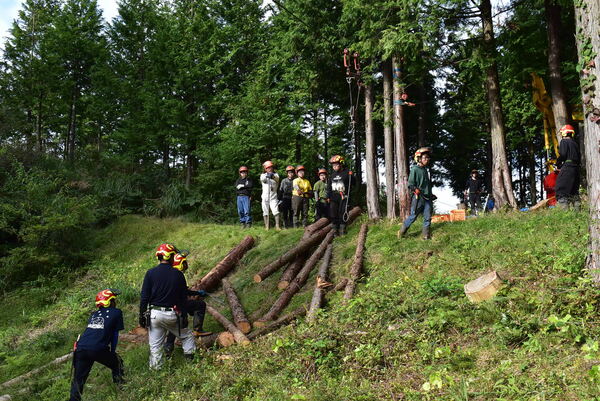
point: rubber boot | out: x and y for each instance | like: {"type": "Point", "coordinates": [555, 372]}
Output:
{"type": "Point", "coordinates": [198, 323]}
{"type": "Point", "coordinates": [334, 228]}
{"type": "Point", "coordinates": [243, 225]}
{"type": "Point", "coordinates": [426, 233]}
{"type": "Point", "coordinates": [342, 229]}
{"type": "Point", "coordinates": [277, 226]}
{"type": "Point", "coordinates": [266, 220]}
{"type": "Point", "coordinates": [402, 232]}
{"type": "Point", "coordinates": [249, 224]}
{"type": "Point", "coordinates": [169, 346]}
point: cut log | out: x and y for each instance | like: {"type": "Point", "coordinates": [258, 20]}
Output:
{"type": "Point", "coordinates": [357, 264]}
{"type": "Point", "coordinates": [35, 371]}
{"type": "Point", "coordinates": [291, 272]}
{"type": "Point", "coordinates": [484, 287]}
{"type": "Point", "coordinates": [354, 213]}
{"type": "Point", "coordinates": [341, 285]}
{"type": "Point", "coordinates": [225, 339]}
{"type": "Point", "coordinates": [239, 316]}
{"type": "Point", "coordinates": [316, 226]}
{"type": "Point", "coordinates": [290, 255]}
{"type": "Point", "coordinates": [240, 337]}
{"type": "Point", "coordinates": [282, 321]}
{"type": "Point", "coordinates": [299, 281]}
{"type": "Point", "coordinates": [212, 279]}
{"type": "Point", "coordinates": [317, 298]}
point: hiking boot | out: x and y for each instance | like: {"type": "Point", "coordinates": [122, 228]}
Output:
{"type": "Point", "coordinates": [334, 228]}
{"type": "Point", "coordinates": [426, 234]}
{"type": "Point", "coordinates": [342, 229]}
{"type": "Point", "coordinates": [402, 232]}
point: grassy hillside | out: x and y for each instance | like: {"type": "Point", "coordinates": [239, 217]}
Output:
{"type": "Point", "coordinates": [410, 333]}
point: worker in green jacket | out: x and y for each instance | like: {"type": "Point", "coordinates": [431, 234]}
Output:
{"type": "Point", "coordinates": [419, 183]}
{"type": "Point", "coordinates": [321, 199]}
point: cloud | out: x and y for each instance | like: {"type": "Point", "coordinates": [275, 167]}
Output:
{"type": "Point", "coordinates": [9, 10]}
{"type": "Point", "coordinates": [110, 9]}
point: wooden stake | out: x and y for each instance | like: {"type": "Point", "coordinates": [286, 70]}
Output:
{"type": "Point", "coordinates": [357, 265]}
{"type": "Point", "coordinates": [240, 337]}
{"type": "Point", "coordinates": [239, 316]}
{"type": "Point", "coordinates": [317, 298]}
{"type": "Point", "coordinates": [212, 279]}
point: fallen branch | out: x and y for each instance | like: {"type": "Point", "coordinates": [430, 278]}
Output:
{"type": "Point", "coordinates": [282, 321]}
{"type": "Point", "coordinates": [212, 279]}
{"type": "Point", "coordinates": [239, 316]}
{"type": "Point", "coordinates": [357, 265]}
{"type": "Point", "coordinates": [303, 246]}
{"type": "Point", "coordinates": [298, 282]}
{"type": "Point", "coordinates": [240, 337]}
{"type": "Point", "coordinates": [35, 371]}
{"type": "Point", "coordinates": [321, 284]}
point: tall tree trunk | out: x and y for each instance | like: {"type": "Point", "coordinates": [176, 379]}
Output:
{"type": "Point", "coordinates": [72, 126]}
{"type": "Point", "coordinates": [422, 120]}
{"type": "Point", "coordinates": [501, 173]}
{"type": "Point", "coordinates": [371, 157]}
{"type": "Point", "coordinates": [388, 135]}
{"type": "Point", "coordinates": [325, 133]}
{"type": "Point", "coordinates": [532, 180]}
{"type": "Point", "coordinates": [38, 124]}
{"type": "Point", "coordinates": [298, 152]}
{"type": "Point", "coordinates": [557, 89]}
{"type": "Point", "coordinates": [400, 143]}
{"type": "Point", "coordinates": [587, 15]}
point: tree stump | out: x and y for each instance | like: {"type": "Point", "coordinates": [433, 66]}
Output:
{"type": "Point", "coordinates": [484, 287]}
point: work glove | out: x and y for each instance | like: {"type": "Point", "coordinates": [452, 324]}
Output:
{"type": "Point", "coordinates": [202, 293]}
{"type": "Point", "coordinates": [142, 320]}
{"type": "Point", "coordinates": [417, 191]}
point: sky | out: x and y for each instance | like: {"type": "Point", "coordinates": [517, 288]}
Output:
{"type": "Point", "coordinates": [9, 11]}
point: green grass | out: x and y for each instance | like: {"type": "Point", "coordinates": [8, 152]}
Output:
{"type": "Point", "coordinates": [410, 333]}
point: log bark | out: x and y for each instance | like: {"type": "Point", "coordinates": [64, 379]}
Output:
{"type": "Point", "coordinates": [35, 371]}
{"type": "Point", "coordinates": [371, 157]}
{"type": "Point", "coordinates": [212, 279]}
{"type": "Point", "coordinates": [388, 140]}
{"type": "Point", "coordinates": [240, 337]}
{"type": "Point", "coordinates": [290, 273]}
{"type": "Point", "coordinates": [353, 215]}
{"type": "Point", "coordinates": [400, 143]}
{"type": "Point", "coordinates": [587, 15]}
{"type": "Point", "coordinates": [357, 264]}
{"type": "Point", "coordinates": [290, 255]}
{"type": "Point", "coordinates": [282, 321]}
{"type": "Point", "coordinates": [299, 281]}
{"type": "Point", "coordinates": [239, 316]}
{"type": "Point", "coordinates": [314, 227]}
{"type": "Point", "coordinates": [322, 276]}
{"type": "Point", "coordinates": [341, 285]}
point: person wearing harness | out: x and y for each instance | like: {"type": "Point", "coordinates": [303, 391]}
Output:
{"type": "Point", "coordinates": [567, 182]}
{"type": "Point", "coordinates": [194, 307]}
{"type": "Point", "coordinates": [98, 343]}
{"type": "Point", "coordinates": [338, 190]}
{"type": "Point", "coordinates": [243, 187]}
{"type": "Point", "coordinates": [270, 183]}
{"type": "Point", "coordinates": [550, 183]}
{"type": "Point", "coordinates": [322, 201]}
{"type": "Point", "coordinates": [419, 183]}
{"type": "Point", "coordinates": [285, 196]}
{"type": "Point", "coordinates": [164, 295]}
{"type": "Point", "coordinates": [301, 197]}
{"type": "Point", "coordinates": [473, 190]}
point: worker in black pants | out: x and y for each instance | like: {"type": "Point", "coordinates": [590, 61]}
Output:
{"type": "Point", "coordinates": [473, 191]}
{"type": "Point", "coordinates": [338, 189]}
{"type": "Point", "coordinates": [98, 343]}
{"type": "Point", "coordinates": [568, 180]}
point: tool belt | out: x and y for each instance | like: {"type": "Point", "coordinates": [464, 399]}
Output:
{"type": "Point", "coordinates": [571, 162]}
{"type": "Point", "coordinates": [162, 308]}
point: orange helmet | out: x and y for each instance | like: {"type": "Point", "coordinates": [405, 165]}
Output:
{"type": "Point", "coordinates": [268, 164]}
{"type": "Point", "coordinates": [104, 297]}
{"type": "Point", "coordinates": [290, 168]}
{"type": "Point", "coordinates": [300, 167]}
{"type": "Point", "coordinates": [421, 151]}
{"type": "Point", "coordinates": [166, 251]}
{"type": "Point", "coordinates": [567, 130]}
{"type": "Point", "coordinates": [243, 168]}
{"type": "Point", "coordinates": [322, 171]}
{"type": "Point", "coordinates": [337, 159]}
{"type": "Point", "coordinates": [180, 260]}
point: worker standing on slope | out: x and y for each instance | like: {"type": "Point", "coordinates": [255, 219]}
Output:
{"type": "Point", "coordinates": [339, 193]}
{"type": "Point", "coordinates": [567, 182]}
{"type": "Point", "coordinates": [550, 183]}
{"type": "Point", "coordinates": [164, 296]}
{"type": "Point", "coordinates": [270, 183]}
{"type": "Point", "coordinates": [321, 199]}
{"type": "Point", "coordinates": [473, 190]}
{"type": "Point", "coordinates": [285, 195]}
{"type": "Point", "coordinates": [301, 197]}
{"type": "Point", "coordinates": [419, 183]}
{"type": "Point", "coordinates": [243, 187]}
{"type": "Point", "coordinates": [98, 343]}
{"type": "Point", "coordinates": [195, 308]}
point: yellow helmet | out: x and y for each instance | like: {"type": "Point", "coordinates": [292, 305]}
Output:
{"type": "Point", "coordinates": [180, 260]}
{"type": "Point", "coordinates": [567, 130]}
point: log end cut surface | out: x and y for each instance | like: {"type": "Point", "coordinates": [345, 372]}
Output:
{"type": "Point", "coordinates": [225, 339]}
{"type": "Point", "coordinates": [282, 285]}
{"type": "Point", "coordinates": [244, 327]}
{"type": "Point", "coordinates": [484, 287]}
{"type": "Point", "coordinates": [259, 323]}
{"type": "Point", "coordinates": [257, 278]}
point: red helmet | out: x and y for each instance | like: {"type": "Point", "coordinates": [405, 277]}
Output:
{"type": "Point", "coordinates": [268, 164]}
{"type": "Point", "coordinates": [421, 151]}
{"type": "Point", "coordinates": [300, 167]}
{"type": "Point", "coordinates": [322, 171]}
{"type": "Point", "coordinates": [567, 130]}
{"type": "Point", "coordinates": [166, 251]}
{"type": "Point", "coordinates": [180, 261]}
{"type": "Point", "coordinates": [243, 168]}
{"type": "Point", "coordinates": [290, 168]}
{"type": "Point", "coordinates": [104, 297]}
{"type": "Point", "coordinates": [337, 159]}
